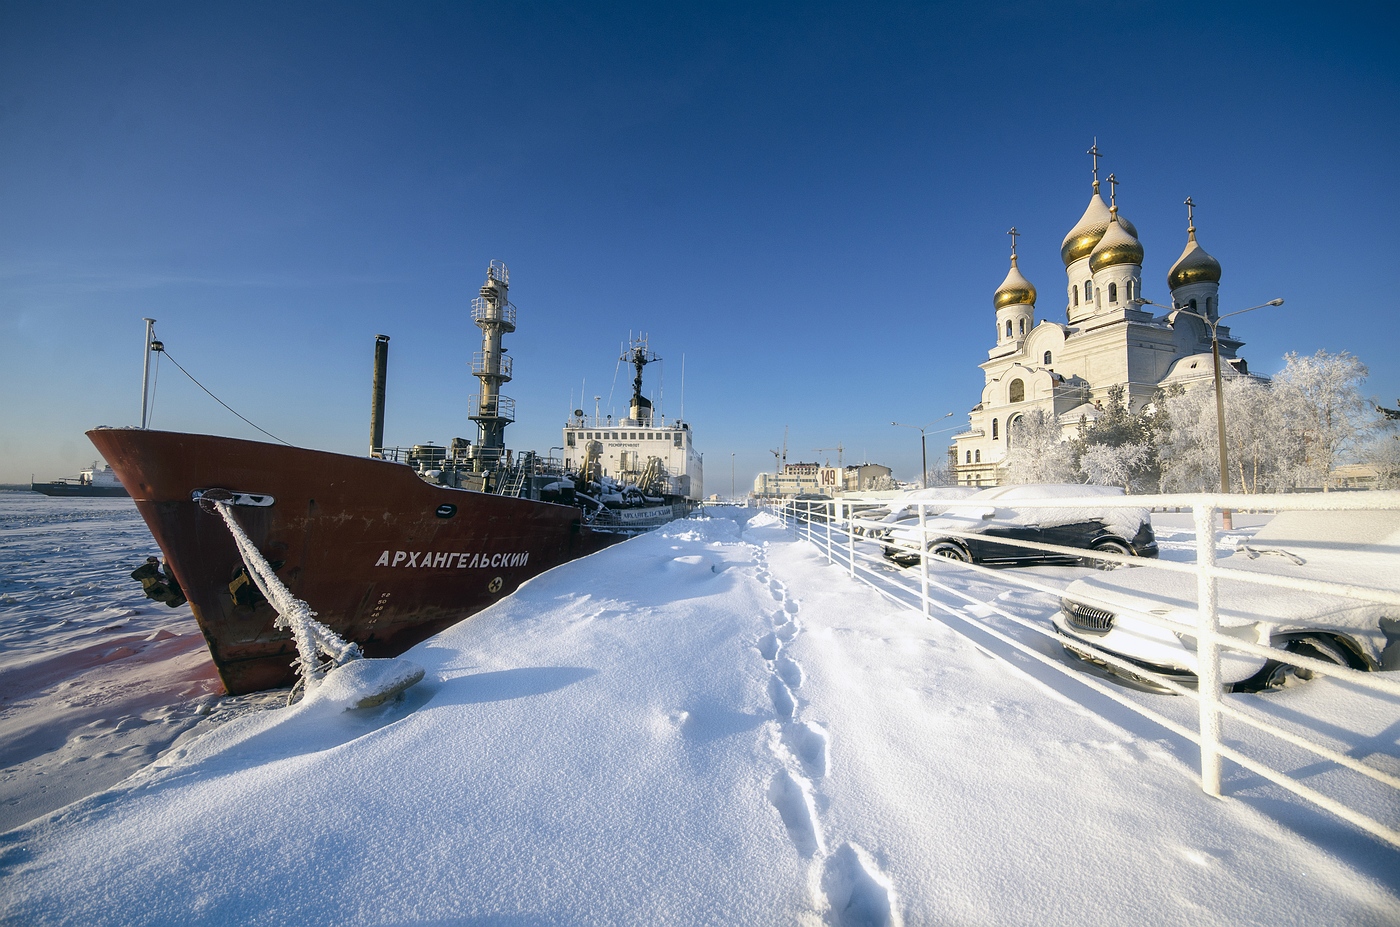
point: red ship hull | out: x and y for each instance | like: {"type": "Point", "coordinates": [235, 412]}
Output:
{"type": "Point", "coordinates": [383, 558]}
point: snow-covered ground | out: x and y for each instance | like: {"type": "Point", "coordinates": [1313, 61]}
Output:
{"type": "Point", "coordinates": [705, 725]}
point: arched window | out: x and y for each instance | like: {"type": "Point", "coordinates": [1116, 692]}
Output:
{"type": "Point", "coordinates": [1088, 290]}
{"type": "Point", "coordinates": [994, 429]}
{"type": "Point", "coordinates": [1075, 291]}
{"type": "Point", "coordinates": [1210, 305]}
{"type": "Point", "coordinates": [1047, 358]}
{"type": "Point", "coordinates": [969, 456]}
{"type": "Point", "coordinates": [1191, 305]}
{"type": "Point", "coordinates": [1016, 392]}
{"type": "Point", "coordinates": [1022, 327]}
{"type": "Point", "coordinates": [1113, 292]}
{"type": "Point", "coordinates": [1008, 328]}
{"type": "Point", "coordinates": [979, 456]}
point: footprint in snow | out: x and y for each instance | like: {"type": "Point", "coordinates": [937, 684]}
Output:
{"type": "Point", "coordinates": [768, 646]}
{"type": "Point", "coordinates": [783, 702]}
{"type": "Point", "coordinates": [789, 670]}
{"type": "Point", "coordinates": [858, 893]}
{"type": "Point", "coordinates": [793, 798]}
{"type": "Point", "coordinates": [808, 742]}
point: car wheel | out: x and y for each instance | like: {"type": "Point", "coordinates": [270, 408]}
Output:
{"type": "Point", "coordinates": [949, 550]}
{"type": "Point", "coordinates": [1109, 546]}
{"type": "Point", "coordinates": [1276, 674]}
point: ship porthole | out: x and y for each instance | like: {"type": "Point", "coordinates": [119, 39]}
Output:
{"type": "Point", "coordinates": [495, 585]}
{"type": "Point", "coordinates": [446, 510]}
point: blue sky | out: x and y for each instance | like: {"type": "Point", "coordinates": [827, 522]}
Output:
{"type": "Point", "coordinates": [806, 202]}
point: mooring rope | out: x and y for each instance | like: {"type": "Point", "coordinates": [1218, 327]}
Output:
{"type": "Point", "coordinates": [293, 614]}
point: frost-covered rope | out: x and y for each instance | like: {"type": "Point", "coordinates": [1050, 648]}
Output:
{"type": "Point", "coordinates": [292, 613]}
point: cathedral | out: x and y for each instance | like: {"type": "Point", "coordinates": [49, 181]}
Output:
{"type": "Point", "coordinates": [1110, 336]}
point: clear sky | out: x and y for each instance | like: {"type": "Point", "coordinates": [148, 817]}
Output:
{"type": "Point", "coordinates": [807, 203]}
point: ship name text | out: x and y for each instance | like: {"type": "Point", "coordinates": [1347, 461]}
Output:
{"type": "Point", "coordinates": [440, 560]}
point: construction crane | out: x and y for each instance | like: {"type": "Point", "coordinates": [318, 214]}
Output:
{"type": "Point", "coordinates": [780, 457]}
{"type": "Point", "coordinates": [840, 451]}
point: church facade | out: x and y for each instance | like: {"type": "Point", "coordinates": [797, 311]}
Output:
{"type": "Point", "coordinates": [1110, 336]}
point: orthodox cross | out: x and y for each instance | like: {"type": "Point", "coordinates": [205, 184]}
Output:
{"type": "Point", "coordinates": [1014, 235]}
{"type": "Point", "coordinates": [1095, 152]}
{"type": "Point", "coordinates": [1190, 215]}
{"type": "Point", "coordinates": [1113, 191]}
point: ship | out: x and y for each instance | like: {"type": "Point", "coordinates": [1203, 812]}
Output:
{"type": "Point", "coordinates": [97, 480]}
{"type": "Point", "coordinates": [390, 548]}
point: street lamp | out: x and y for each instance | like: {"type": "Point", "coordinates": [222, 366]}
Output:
{"type": "Point", "coordinates": [732, 496]}
{"type": "Point", "coordinates": [923, 444]}
{"type": "Point", "coordinates": [1225, 520]}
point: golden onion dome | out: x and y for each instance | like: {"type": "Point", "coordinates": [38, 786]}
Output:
{"type": "Point", "coordinates": [1080, 241]}
{"type": "Point", "coordinates": [1015, 290]}
{"type": "Point", "coordinates": [1119, 245]}
{"type": "Point", "coordinates": [1194, 265]}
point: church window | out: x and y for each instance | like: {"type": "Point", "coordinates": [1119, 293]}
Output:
{"type": "Point", "coordinates": [1133, 292]}
{"type": "Point", "coordinates": [1088, 290]}
{"type": "Point", "coordinates": [1075, 291]}
{"type": "Point", "coordinates": [1047, 358]}
{"type": "Point", "coordinates": [1008, 328]}
{"type": "Point", "coordinates": [1022, 327]}
{"type": "Point", "coordinates": [994, 429]}
{"type": "Point", "coordinates": [979, 456]}
{"type": "Point", "coordinates": [1016, 392]}
{"type": "Point", "coordinates": [1210, 304]}
{"type": "Point", "coordinates": [1113, 292]}
{"type": "Point", "coordinates": [969, 456]}
{"type": "Point", "coordinates": [1191, 305]}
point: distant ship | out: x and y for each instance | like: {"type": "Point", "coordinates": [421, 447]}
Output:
{"type": "Point", "coordinates": [97, 480]}
{"type": "Point", "coordinates": [392, 548]}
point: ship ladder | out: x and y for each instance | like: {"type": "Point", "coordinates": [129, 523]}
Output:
{"type": "Point", "coordinates": [369, 683]}
{"type": "Point", "coordinates": [513, 481]}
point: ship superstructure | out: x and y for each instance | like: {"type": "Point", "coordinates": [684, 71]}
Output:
{"type": "Point", "coordinates": [646, 451]}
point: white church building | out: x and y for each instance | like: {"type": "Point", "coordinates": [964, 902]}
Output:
{"type": "Point", "coordinates": [1110, 336]}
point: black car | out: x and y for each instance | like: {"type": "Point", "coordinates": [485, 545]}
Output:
{"type": "Point", "coordinates": [970, 531]}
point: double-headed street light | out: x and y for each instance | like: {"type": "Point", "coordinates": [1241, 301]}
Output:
{"type": "Point", "coordinates": [923, 444]}
{"type": "Point", "coordinates": [1219, 392]}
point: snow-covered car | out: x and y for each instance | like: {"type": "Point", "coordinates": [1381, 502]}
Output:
{"type": "Point", "coordinates": [973, 530]}
{"type": "Point", "coordinates": [1115, 612]}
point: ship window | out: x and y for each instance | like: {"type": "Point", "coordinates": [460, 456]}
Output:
{"type": "Point", "coordinates": [1017, 391]}
{"type": "Point", "coordinates": [570, 439]}
{"type": "Point", "coordinates": [677, 439]}
{"type": "Point", "coordinates": [994, 429]}
{"type": "Point", "coordinates": [1047, 358]}
{"type": "Point", "coordinates": [1113, 292]}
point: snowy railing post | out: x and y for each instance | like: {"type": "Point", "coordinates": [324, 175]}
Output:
{"type": "Point", "coordinates": [833, 516]}
{"type": "Point", "coordinates": [1207, 648]}
{"type": "Point", "coordinates": [851, 547]}
{"type": "Point", "coordinates": [923, 561]}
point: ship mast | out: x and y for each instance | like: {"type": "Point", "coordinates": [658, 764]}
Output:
{"type": "Point", "coordinates": [638, 354]}
{"type": "Point", "coordinates": [492, 412]}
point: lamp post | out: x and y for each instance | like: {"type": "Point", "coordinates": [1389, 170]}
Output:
{"type": "Point", "coordinates": [732, 496]}
{"type": "Point", "coordinates": [1214, 324]}
{"type": "Point", "coordinates": [923, 444]}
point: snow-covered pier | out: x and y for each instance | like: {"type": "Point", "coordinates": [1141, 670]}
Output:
{"type": "Point", "coordinates": [708, 724]}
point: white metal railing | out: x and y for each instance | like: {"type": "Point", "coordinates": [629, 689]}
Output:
{"type": "Point", "coordinates": [853, 542]}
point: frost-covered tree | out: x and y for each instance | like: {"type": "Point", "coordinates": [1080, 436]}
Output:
{"type": "Point", "coordinates": [941, 473]}
{"type": "Point", "coordinates": [1118, 447]}
{"type": "Point", "coordinates": [1186, 439]}
{"type": "Point", "coordinates": [1038, 452]}
{"type": "Point", "coordinates": [1116, 465]}
{"type": "Point", "coordinates": [1321, 396]}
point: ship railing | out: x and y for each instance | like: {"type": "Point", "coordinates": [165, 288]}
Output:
{"type": "Point", "coordinates": [1014, 628]}
{"type": "Point", "coordinates": [499, 408]}
{"type": "Point", "coordinates": [492, 312]}
{"type": "Point", "coordinates": [481, 366]}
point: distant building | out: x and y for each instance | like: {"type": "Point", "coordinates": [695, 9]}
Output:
{"type": "Point", "coordinates": [1110, 336]}
{"type": "Point", "coordinates": [799, 478]}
